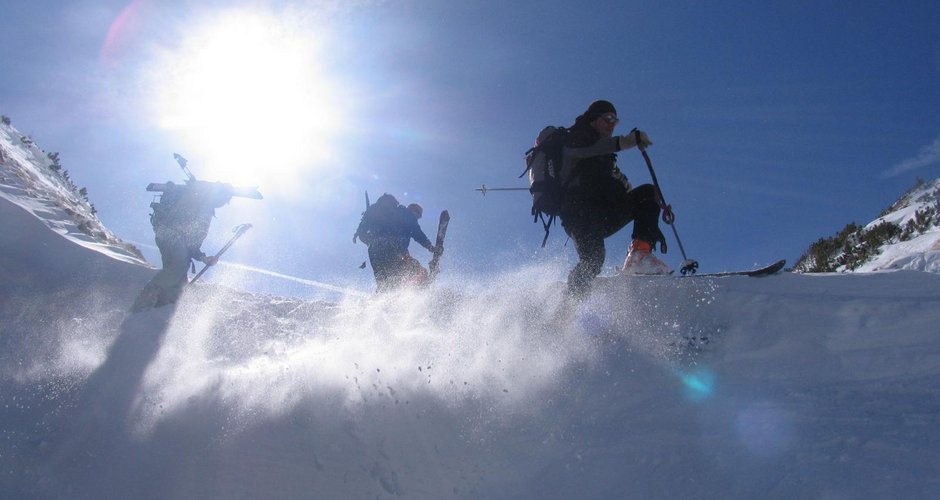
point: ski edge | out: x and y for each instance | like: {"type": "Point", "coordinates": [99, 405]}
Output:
{"type": "Point", "coordinates": [772, 269]}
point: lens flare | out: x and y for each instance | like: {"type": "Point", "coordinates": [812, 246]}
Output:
{"type": "Point", "coordinates": [698, 385]}
{"type": "Point", "coordinates": [764, 429]}
{"type": "Point", "coordinates": [121, 31]}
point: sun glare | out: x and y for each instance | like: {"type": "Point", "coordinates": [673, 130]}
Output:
{"type": "Point", "coordinates": [251, 100]}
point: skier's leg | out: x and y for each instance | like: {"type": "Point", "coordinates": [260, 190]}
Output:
{"type": "Point", "coordinates": [166, 286]}
{"type": "Point", "coordinates": [415, 273]}
{"type": "Point", "coordinates": [641, 203]}
{"type": "Point", "coordinates": [382, 265]}
{"type": "Point", "coordinates": [591, 255]}
{"type": "Point", "coordinates": [170, 279]}
{"type": "Point", "coordinates": [589, 243]}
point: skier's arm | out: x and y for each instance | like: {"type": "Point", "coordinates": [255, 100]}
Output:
{"type": "Point", "coordinates": [421, 238]}
{"type": "Point", "coordinates": [630, 140]}
{"type": "Point", "coordinates": [608, 145]}
{"type": "Point", "coordinates": [603, 146]}
{"type": "Point", "coordinates": [571, 155]}
{"type": "Point", "coordinates": [362, 232]}
{"type": "Point", "coordinates": [198, 254]}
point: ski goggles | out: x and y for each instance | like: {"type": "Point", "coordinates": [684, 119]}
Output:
{"type": "Point", "coordinates": [610, 118]}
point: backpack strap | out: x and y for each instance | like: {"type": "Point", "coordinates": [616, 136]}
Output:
{"type": "Point", "coordinates": [548, 224]}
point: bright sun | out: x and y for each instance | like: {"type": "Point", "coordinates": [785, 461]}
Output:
{"type": "Point", "coordinates": [251, 100]}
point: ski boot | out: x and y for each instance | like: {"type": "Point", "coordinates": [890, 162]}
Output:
{"type": "Point", "coordinates": [640, 260]}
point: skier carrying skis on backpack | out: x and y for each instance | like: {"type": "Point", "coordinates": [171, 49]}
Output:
{"type": "Point", "coordinates": [388, 228]}
{"type": "Point", "coordinates": [180, 222]}
{"type": "Point", "coordinates": [599, 199]}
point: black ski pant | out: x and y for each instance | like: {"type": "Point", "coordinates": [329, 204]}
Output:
{"type": "Point", "coordinates": [393, 266]}
{"type": "Point", "coordinates": [589, 222]}
{"type": "Point", "coordinates": [167, 285]}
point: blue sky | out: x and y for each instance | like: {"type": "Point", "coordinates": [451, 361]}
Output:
{"type": "Point", "coordinates": [772, 125]}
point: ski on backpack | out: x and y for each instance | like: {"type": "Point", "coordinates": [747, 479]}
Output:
{"type": "Point", "coordinates": [774, 268]}
{"type": "Point", "coordinates": [434, 265]}
{"type": "Point", "coordinates": [239, 231]}
{"type": "Point", "coordinates": [239, 191]}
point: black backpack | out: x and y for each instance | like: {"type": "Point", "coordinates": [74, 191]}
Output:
{"type": "Point", "coordinates": [543, 164]}
{"type": "Point", "coordinates": [163, 209]}
{"type": "Point", "coordinates": [376, 218]}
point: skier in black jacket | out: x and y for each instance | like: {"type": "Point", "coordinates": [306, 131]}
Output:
{"type": "Point", "coordinates": [387, 228]}
{"type": "Point", "coordinates": [180, 222]}
{"type": "Point", "coordinates": [600, 200]}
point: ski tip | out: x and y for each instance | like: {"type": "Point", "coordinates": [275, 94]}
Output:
{"type": "Point", "coordinates": [772, 269]}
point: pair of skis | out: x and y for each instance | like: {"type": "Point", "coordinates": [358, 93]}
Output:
{"type": "Point", "coordinates": [759, 272]}
{"type": "Point", "coordinates": [774, 268]}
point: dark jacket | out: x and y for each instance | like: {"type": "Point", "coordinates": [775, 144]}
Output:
{"type": "Point", "coordinates": [589, 167]}
{"type": "Point", "coordinates": [391, 226]}
{"type": "Point", "coordinates": [184, 213]}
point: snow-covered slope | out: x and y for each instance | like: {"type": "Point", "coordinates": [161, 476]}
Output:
{"type": "Point", "coordinates": [790, 386]}
{"type": "Point", "coordinates": [922, 251]}
{"type": "Point", "coordinates": [793, 386]}
{"type": "Point", "coordinates": [905, 236]}
{"type": "Point", "coordinates": [35, 181]}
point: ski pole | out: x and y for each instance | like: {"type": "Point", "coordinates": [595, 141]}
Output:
{"type": "Point", "coordinates": [688, 266]}
{"type": "Point", "coordinates": [483, 189]}
{"type": "Point", "coordinates": [239, 231]}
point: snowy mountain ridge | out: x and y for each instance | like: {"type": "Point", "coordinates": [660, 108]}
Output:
{"type": "Point", "coordinates": [906, 236]}
{"type": "Point", "coordinates": [36, 182]}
